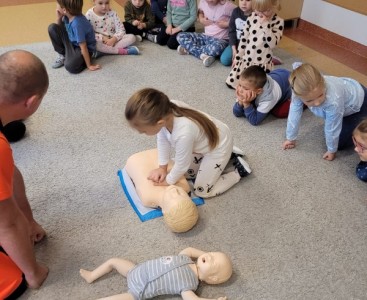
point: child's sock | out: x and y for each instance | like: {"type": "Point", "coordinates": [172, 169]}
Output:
{"type": "Point", "coordinates": [122, 51]}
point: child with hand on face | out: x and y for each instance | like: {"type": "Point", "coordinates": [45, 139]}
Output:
{"type": "Point", "coordinates": [262, 32]}
{"type": "Point", "coordinates": [168, 275]}
{"type": "Point", "coordinates": [139, 18]}
{"type": "Point", "coordinates": [214, 15]}
{"type": "Point", "coordinates": [259, 94]}
{"type": "Point", "coordinates": [73, 38]}
{"type": "Point", "coordinates": [236, 24]}
{"type": "Point", "coordinates": [360, 147]}
{"type": "Point", "coordinates": [202, 144]}
{"type": "Point", "coordinates": [109, 31]}
{"type": "Point", "coordinates": [340, 101]}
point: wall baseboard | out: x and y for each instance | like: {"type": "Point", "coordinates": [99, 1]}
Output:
{"type": "Point", "coordinates": [333, 38]}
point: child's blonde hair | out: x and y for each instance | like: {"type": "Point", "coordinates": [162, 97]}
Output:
{"type": "Point", "coordinates": [305, 79]}
{"type": "Point", "coordinates": [74, 7]}
{"type": "Point", "coordinates": [149, 106]}
{"type": "Point", "coordinates": [182, 217]}
{"type": "Point", "coordinates": [361, 127]}
{"type": "Point", "coordinates": [264, 5]}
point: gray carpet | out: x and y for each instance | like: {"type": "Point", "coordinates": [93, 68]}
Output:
{"type": "Point", "coordinates": [295, 229]}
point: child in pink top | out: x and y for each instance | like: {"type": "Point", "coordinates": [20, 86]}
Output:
{"type": "Point", "coordinates": [214, 15]}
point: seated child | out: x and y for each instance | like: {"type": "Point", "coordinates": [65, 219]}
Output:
{"type": "Point", "coordinates": [179, 212]}
{"type": "Point", "coordinates": [236, 24]}
{"type": "Point", "coordinates": [259, 93]}
{"type": "Point", "coordinates": [214, 15]}
{"type": "Point", "coordinates": [181, 17]}
{"type": "Point", "coordinates": [139, 19]}
{"type": "Point", "coordinates": [360, 142]}
{"type": "Point", "coordinates": [110, 33]}
{"type": "Point", "coordinates": [154, 277]}
{"type": "Point", "coordinates": [73, 37]}
{"type": "Point", "coordinates": [340, 101]}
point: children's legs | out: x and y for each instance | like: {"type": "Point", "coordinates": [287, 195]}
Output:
{"type": "Point", "coordinates": [162, 36]}
{"type": "Point", "coordinates": [226, 56]}
{"type": "Point", "coordinates": [192, 42]}
{"type": "Point", "coordinates": [132, 29]}
{"type": "Point", "coordinates": [120, 265]}
{"type": "Point", "coordinates": [350, 122]}
{"type": "Point", "coordinates": [58, 37]}
{"type": "Point", "coordinates": [194, 166]}
{"type": "Point", "coordinates": [210, 180]}
{"type": "Point", "coordinates": [214, 47]}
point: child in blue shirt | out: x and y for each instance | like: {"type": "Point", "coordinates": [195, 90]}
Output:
{"type": "Point", "coordinates": [236, 24]}
{"type": "Point", "coordinates": [259, 93]}
{"type": "Point", "coordinates": [360, 146]}
{"type": "Point", "coordinates": [340, 101]}
{"type": "Point", "coordinates": [73, 37]}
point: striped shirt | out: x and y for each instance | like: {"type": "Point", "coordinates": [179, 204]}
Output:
{"type": "Point", "coordinates": [168, 275]}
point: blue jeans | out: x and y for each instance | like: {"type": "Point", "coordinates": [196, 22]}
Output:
{"type": "Point", "coordinates": [199, 43]}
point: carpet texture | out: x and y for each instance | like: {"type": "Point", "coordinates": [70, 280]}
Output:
{"type": "Point", "coordinates": [295, 228]}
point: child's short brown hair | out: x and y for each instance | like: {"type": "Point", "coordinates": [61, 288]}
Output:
{"type": "Point", "coordinates": [255, 75]}
{"type": "Point", "coordinates": [74, 7]}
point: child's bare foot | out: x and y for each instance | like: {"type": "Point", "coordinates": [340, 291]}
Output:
{"type": "Point", "coordinates": [36, 279]}
{"type": "Point", "coordinates": [87, 275]}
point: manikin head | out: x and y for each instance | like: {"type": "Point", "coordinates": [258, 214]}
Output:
{"type": "Point", "coordinates": [214, 267]}
{"type": "Point", "coordinates": [179, 211]}
{"type": "Point", "coordinates": [23, 84]}
{"type": "Point", "coordinates": [308, 83]}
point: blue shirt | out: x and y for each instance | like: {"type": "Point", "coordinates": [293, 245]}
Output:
{"type": "Point", "coordinates": [344, 97]}
{"type": "Point", "coordinates": [79, 31]}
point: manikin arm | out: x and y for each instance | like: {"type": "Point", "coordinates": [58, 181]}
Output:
{"type": "Point", "coordinates": [192, 252]}
{"type": "Point", "coordinates": [190, 295]}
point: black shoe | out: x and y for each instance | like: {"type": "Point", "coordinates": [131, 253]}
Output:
{"type": "Point", "coordinates": [242, 166]}
{"type": "Point", "coordinates": [236, 152]}
{"type": "Point", "coordinates": [13, 131]}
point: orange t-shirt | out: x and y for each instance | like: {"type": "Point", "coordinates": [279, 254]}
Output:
{"type": "Point", "coordinates": [6, 169]}
{"type": "Point", "coordinates": [10, 274]}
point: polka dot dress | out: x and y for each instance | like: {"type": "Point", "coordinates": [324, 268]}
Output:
{"type": "Point", "coordinates": [256, 46]}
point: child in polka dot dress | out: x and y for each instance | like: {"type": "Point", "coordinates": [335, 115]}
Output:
{"type": "Point", "coordinates": [262, 32]}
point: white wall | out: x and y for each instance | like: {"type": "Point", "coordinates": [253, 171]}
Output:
{"type": "Point", "coordinates": [339, 20]}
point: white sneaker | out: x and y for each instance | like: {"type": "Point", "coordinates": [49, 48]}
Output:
{"type": "Point", "coordinates": [138, 38]}
{"type": "Point", "coordinates": [181, 50]}
{"type": "Point", "coordinates": [59, 62]}
{"type": "Point", "coordinates": [207, 60]}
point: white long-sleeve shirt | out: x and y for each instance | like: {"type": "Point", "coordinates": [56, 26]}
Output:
{"type": "Point", "coordinates": [185, 139]}
{"type": "Point", "coordinates": [344, 97]}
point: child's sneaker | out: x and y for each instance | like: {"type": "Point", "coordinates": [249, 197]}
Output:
{"type": "Point", "coordinates": [151, 37]}
{"type": "Point", "coordinates": [242, 167]}
{"type": "Point", "coordinates": [207, 60]}
{"type": "Point", "coordinates": [181, 50]}
{"type": "Point", "coordinates": [138, 38]}
{"type": "Point", "coordinates": [277, 61]}
{"type": "Point", "coordinates": [236, 152]}
{"type": "Point", "coordinates": [59, 62]}
{"type": "Point", "coordinates": [132, 50]}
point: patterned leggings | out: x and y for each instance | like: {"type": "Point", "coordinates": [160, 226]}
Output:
{"type": "Point", "coordinates": [198, 43]}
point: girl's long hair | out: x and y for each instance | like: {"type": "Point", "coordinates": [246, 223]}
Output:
{"type": "Point", "coordinates": [149, 105]}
